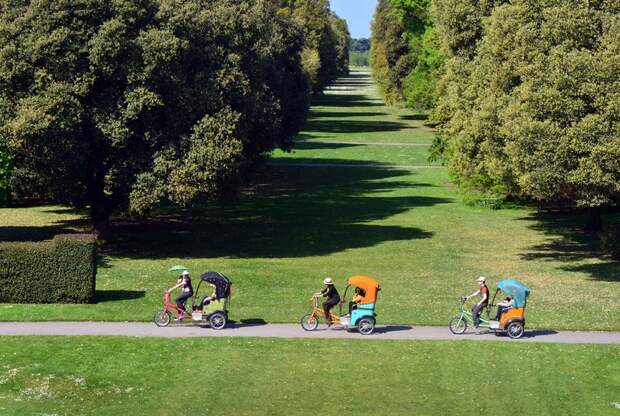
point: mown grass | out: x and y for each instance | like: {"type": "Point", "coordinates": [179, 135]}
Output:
{"type": "Point", "coordinates": [102, 376]}
{"type": "Point", "coordinates": [408, 228]}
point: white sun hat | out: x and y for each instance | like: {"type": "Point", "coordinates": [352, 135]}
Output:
{"type": "Point", "coordinates": [481, 279]}
{"type": "Point", "coordinates": [328, 281]}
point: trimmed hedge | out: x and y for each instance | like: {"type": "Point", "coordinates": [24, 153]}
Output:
{"type": "Point", "coordinates": [59, 271]}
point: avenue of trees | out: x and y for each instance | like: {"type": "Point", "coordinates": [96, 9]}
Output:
{"type": "Point", "coordinates": [119, 106]}
{"type": "Point", "coordinates": [526, 93]}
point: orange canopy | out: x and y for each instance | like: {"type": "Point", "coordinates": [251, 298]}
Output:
{"type": "Point", "coordinates": [370, 286]}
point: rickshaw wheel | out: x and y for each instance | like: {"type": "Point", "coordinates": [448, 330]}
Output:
{"type": "Point", "coordinates": [515, 330]}
{"type": "Point", "coordinates": [309, 322]}
{"type": "Point", "coordinates": [217, 320]}
{"type": "Point", "coordinates": [366, 326]}
{"type": "Point", "coordinates": [458, 325]}
{"type": "Point", "coordinates": [162, 318]}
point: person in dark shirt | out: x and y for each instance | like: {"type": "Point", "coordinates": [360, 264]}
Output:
{"type": "Point", "coordinates": [483, 292]}
{"type": "Point", "coordinates": [187, 292]}
{"type": "Point", "coordinates": [332, 298]}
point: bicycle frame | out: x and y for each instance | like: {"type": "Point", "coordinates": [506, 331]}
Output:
{"type": "Point", "coordinates": [317, 310]}
{"type": "Point", "coordinates": [469, 317]}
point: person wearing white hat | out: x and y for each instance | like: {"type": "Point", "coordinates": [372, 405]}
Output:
{"type": "Point", "coordinates": [483, 292]}
{"type": "Point", "coordinates": [333, 298]}
{"type": "Point", "coordinates": [187, 292]}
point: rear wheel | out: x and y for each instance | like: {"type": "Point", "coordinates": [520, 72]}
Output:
{"type": "Point", "coordinates": [458, 325]}
{"type": "Point", "coordinates": [217, 320]}
{"type": "Point", "coordinates": [366, 326]}
{"type": "Point", "coordinates": [309, 322]}
{"type": "Point", "coordinates": [162, 318]}
{"type": "Point", "coordinates": [515, 330]}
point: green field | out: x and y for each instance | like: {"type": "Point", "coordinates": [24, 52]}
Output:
{"type": "Point", "coordinates": [101, 376]}
{"type": "Point", "coordinates": [408, 228]}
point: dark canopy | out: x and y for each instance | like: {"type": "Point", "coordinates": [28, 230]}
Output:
{"type": "Point", "coordinates": [221, 283]}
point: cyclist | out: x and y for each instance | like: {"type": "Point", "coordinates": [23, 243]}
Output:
{"type": "Point", "coordinates": [333, 298]}
{"type": "Point", "coordinates": [483, 292]}
{"type": "Point", "coordinates": [187, 292]}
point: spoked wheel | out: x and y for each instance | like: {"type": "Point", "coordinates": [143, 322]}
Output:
{"type": "Point", "coordinates": [366, 326]}
{"type": "Point", "coordinates": [458, 325]}
{"type": "Point", "coordinates": [162, 318]}
{"type": "Point", "coordinates": [309, 322]}
{"type": "Point", "coordinates": [515, 330]}
{"type": "Point", "coordinates": [217, 320]}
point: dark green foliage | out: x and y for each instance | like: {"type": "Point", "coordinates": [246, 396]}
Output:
{"type": "Point", "coordinates": [120, 105]}
{"type": "Point", "coordinates": [59, 271]}
{"type": "Point", "coordinates": [359, 45]}
{"type": "Point", "coordinates": [530, 100]}
{"type": "Point", "coordinates": [6, 167]}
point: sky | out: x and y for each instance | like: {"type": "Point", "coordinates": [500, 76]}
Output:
{"type": "Point", "coordinates": [357, 13]}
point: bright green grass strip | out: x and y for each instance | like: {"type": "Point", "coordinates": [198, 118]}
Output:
{"type": "Point", "coordinates": [235, 376]}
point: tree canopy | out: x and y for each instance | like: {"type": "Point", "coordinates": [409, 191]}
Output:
{"type": "Point", "coordinates": [121, 105]}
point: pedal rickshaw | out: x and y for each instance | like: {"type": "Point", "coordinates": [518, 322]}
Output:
{"type": "Point", "coordinates": [512, 321]}
{"type": "Point", "coordinates": [363, 317]}
{"type": "Point", "coordinates": [211, 308]}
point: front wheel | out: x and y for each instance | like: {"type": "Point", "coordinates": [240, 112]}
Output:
{"type": "Point", "coordinates": [458, 325]}
{"type": "Point", "coordinates": [366, 326]}
{"type": "Point", "coordinates": [162, 318]}
{"type": "Point", "coordinates": [309, 322]}
{"type": "Point", "coordinates": [515, 330]}
{"type": "Point", "coordinates": [217, 320]}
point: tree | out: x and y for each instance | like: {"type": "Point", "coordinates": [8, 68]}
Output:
{"type": "Point", "coordinates": [121, 105]}
{"type": "Point", "coordinates": [534, 101]}
{"type": "Point", "coordinates": [6, 167]}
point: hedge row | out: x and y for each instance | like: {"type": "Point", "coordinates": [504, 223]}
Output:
{"type": "Point", "coordinates": [59, 271]}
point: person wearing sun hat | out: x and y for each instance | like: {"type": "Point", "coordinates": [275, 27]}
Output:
{"type": "Point", "coordinates": [483, 292]}
{"type": "Point", "coordinates": [333, 297]}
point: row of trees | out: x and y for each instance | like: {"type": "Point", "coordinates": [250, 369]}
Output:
{"type": "Point", "coordinates": [526, 92]}
{"type": "Point", "coordinates": [359, 50]}
{"type": "Point", "coordinates": [117, 105]}
{"type": "Point", "coordinates": [405, 52]}
{"type": "Point", "coordinates": [325, 54]}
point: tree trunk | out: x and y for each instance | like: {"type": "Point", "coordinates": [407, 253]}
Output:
{"type": "Point", "coordinates": [594, 219]}
{"type": "Point", "coordinates": [100, 220]}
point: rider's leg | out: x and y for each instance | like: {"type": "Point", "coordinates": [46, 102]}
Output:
{"type": "Point", "coordinates": [476, 314]}
{"type": "Point", "coordinates": [180, 300]}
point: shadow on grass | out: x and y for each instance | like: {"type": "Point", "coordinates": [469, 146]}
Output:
{"type": "Point", "coordinates": [41, 233]}
{"type": "Point", "coordinates": [346, 101]}
{"type": "Point", "coordinates": [337, 114]}
{"type": "Point", "coordinates": [115, 295]}
{"type": "Point", "coordinates": [571, 246]}
{"type": "Point", "coordinates": [352, 126]}
{"type": "Point", "coordinates": [413, 117]}
{"type": "Point", "coordinates": [288, 212]}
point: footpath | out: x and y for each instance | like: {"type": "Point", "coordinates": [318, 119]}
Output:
{"type": "Point", "coordinates": [385, 332]}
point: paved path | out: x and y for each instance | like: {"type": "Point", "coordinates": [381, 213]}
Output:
{"type": "Point", "coordinates": [392, 332]}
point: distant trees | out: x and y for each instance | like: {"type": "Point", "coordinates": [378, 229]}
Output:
{"type": "Point", "coordinates": [359, 50]}
{"type": "Point", "coordinates": [406, 59]}
{"type": "Point", "coordinates": [122, 105]}
{"type": "Point", "coordinates": [530, 102]}
{"type": "Point", "coordinates": [325, 54]}
{"type": "Point", "coordinates": [6, 167]}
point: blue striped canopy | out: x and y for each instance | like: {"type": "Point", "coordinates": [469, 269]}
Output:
{"type": "Point", "coordinates": [515, 289]}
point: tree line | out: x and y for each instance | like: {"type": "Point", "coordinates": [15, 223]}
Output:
{"type": "Point", "coordinates": [122, 106]}
{"type": "Point", "coordinates": [526, 93]}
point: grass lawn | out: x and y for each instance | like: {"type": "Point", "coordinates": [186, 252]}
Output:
{"type": "Point", "coordinates": [102, 376]}
{"type": "Point", "coordinates": [409, 229]}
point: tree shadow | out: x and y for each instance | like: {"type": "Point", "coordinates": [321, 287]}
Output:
{"type": "Point", "coordinates": [336, 114]}
{"type": "Point", "coordinates": [288, 212]}
{"type": "Point", "coordinates": [41, 233]}
{"type": "Point", "coordinates": [116, 295]}
{"type": "Point", "coordinates": [571, 246]}
{"type": "Point", "coordinates": [352, 126]}
{"type": "Point", "coordinates": [414, 117]}
{"type": "Point", "coordinates": [346, 100]}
